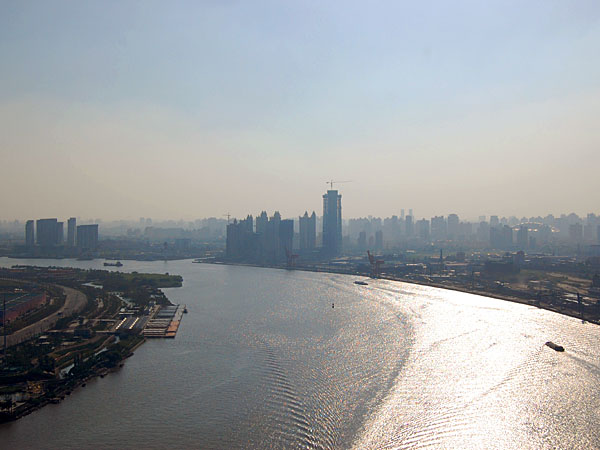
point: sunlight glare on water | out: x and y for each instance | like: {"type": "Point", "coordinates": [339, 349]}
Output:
{"type": "Point", "coordinates": [479, 376]}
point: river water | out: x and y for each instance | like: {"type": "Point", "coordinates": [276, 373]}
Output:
{"type": "Point", "coordinates": [271, 358]}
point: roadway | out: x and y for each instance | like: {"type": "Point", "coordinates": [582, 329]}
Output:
{"type": "Point", "coordinates": [74, 303]}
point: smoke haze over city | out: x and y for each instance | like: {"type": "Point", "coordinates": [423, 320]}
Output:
{"type": "Point", "coordinates": [196, 109]}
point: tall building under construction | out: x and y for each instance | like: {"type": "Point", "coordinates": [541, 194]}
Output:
{"type": "Point", "coordinates": [332, 223]}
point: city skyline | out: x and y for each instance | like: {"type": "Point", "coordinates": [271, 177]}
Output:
{"type": "Point", "coordinates": [118, 110]}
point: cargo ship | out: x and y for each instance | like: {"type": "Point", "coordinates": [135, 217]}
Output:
{"type": "Point", "coordinates": [117, 264]}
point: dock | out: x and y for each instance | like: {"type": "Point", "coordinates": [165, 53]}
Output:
{"type": "Point", "coordinates": [165, 322]}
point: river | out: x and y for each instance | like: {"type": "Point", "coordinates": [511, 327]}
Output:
{"type": "Point", "coordinates": [270, 358]}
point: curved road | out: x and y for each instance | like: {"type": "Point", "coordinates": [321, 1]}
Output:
{"type": "Point", "coordinates": [74, 303]}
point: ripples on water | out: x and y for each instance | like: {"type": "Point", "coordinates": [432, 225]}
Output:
{"type": "Point", "coordinates": [263, 361]}
{"type": "Point", "coordinates": [479, 376]}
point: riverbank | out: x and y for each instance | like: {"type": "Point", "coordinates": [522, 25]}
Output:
{"type": "Point", "coordinates": [64, 387]}
{"type": "Point", "coordinates": [575, 311]}
{"type": "Point", "coordinates": [91, 335]}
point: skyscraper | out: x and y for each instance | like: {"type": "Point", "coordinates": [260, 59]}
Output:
{"type": "Point", "coordinates": [453, 223]}
{"type": "Point", "coordinates": [522, 237]}
{"type": "Point", "coordinates": [29, 234]}
{"type": "Point", "coordinates": [438, 228]}
{"type": "Point", "coordinates": [362, 240]}
{"type": "Point", "coordinates": [71, 228]}
{"type": "Point", "coordinates": [286, 236]}
{"type": "Point", "coordinates": [87, 237]}
{"type": "Point", "coordinates": [423, 229]}
{"type": "Point", "coordinates": [379, 240]}
{"type": "Point", "coordinates": [308, 231]}
{"type": "Point", "coordinates": [494, 221]}
{"type": "Point", "coordinates": [332, 223]}
{"type": "Point", "coordinates": [261, 223]}
{"type": "Point", "coordinates": [409, 226]}
{"type": "Point", "coordinates": [46, 232]}
{"type": "Point", "coordinates": [60, 232]}
{"type": "Point", "coordinates": [272, 246]}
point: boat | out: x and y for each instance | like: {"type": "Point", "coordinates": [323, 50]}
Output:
{"type": "Point", "coordinates": [117, 264]}
{"type": "Point", "coordinates": [555, 347]}
{"type": "Point", "coordinates": [362, 283]}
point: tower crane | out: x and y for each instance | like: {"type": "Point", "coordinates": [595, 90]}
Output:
{"type": "Point", "coordinates": [228, 216]}
{"type": "Point", "coordinates": [330, 183]}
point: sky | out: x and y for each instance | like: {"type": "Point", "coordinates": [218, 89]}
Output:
{"type": "Point", "coordinates": [126, 109]}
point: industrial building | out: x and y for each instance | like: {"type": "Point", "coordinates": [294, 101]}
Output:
{"type": "Point", "coordinates": [18, 303]}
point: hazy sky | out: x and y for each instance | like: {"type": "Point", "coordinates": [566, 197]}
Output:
{"type": "Point", "coordinates": [122, 109]}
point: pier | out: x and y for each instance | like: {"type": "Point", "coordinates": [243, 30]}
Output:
{"type": "Point", "coordinates": [165, 322]}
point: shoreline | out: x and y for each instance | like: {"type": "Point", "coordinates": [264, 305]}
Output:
{"type": "Point", "coordinates": [65, 389]}
{"type": "Point", "coordinates": [584, 316]}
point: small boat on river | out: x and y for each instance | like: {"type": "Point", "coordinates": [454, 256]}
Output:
{"type": "Point", "coordinates": [361, 283]}
{"type": "Point", "coordinates": [555, 347]}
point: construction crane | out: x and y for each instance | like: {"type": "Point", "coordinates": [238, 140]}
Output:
{"type": "Point", "coordinates": [228, 216]}
{"type": "Point", "coordinates": [375, 265]}
{"type": "Point", "coordinates": [330, 183]}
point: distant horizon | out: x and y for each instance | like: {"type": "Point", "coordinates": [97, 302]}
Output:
{"type": "Point", "coordinates": [101, 220]}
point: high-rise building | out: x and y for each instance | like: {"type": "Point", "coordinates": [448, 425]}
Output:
{"type": "Point", "coordinates": [409, 226]}
{"type": "Point", "coordinates": [423, 229]}
{"type": "Point", "coordinates": [241, 240]}
{"type": "Point", "coordinates": [29, 234]}
{"type": "Point", "coordinates": [332, 223]}
{"type": "Point", "coordinates": [494, 221]}
{"type": "Point", "coordinates": [362, 240]}
{"type": "Point", "coordinates": [272, 244]}
{"type": "Point", "coordinates": [60, 232]}
{"type": "Point", "coordinates": [308, 231]}
{"type": "Point", "coordinates": [522, 237]}
{"type": "Point", "coordinates": [379, 240]}
{"type": "Point", "coordinates": [453, 226]}
{"type": "Point", "coordinates": [71, 231]}
{"type": "Point", "coordinates": [286, 237]}
{"type": "Point", "coordinates": [501, 237]}
{"type": "Point", "coordinates": [484, 232]}
{"type": "Point", "coordinates": [261, 223]}
{"type": "Point", "coordinates": [46, 232]}
{"type": "Point", "coordinates": [438, 227]}
{"type": "Point", "coordinates": [576, 233]}
{"type": "Point", "coordinates": [87, 237]}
